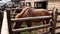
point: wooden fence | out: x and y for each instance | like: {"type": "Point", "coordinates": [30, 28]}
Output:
{"type": "Point", "coordinates": [52, 25]}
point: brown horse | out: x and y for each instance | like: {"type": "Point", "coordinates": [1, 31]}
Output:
{"type": "Point", "coordinates": [30, 12]}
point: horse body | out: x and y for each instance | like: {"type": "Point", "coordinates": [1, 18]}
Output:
{"type": "Point", "coordinates": [40, 12]}
{"type": "Point", "coordinates": [29, 12]}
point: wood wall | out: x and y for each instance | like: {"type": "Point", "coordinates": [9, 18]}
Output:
{"type": "Point", "coordinates": [51, 4]}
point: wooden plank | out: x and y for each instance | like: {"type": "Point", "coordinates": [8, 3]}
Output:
{"type": "Point", "coordinates": [31, 28]}
{"type": "Point", "coordinates": [9, 21]}
{"type": "Point", "coordinates": [58, 13]}
{"type": "Point", "coordinates": [58, 21]}
{"type": "Point", "coordinates": [58, 27]}
{"type": "Point", "coordinates": [58, 33]}
{"type": "Point", "coordinates": [31, 18]}
{"type": "Point", "coordinates": [13, 8]}
{"type": "Point", "coordinates": [14, 13]}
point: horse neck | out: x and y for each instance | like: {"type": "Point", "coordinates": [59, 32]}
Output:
{"type": "Point", "coordinates": [30, 12]}
{"type": "Point", "coordinates": [22, 12]}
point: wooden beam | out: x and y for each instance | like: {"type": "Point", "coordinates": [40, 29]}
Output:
{"type": "Point", "coordinates": [31, 18]}
{"type": "Point", "coordinates": [31, 28]}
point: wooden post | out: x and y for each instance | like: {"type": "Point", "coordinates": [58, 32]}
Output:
{"type": "Point", "coordinates": [54, 21]}
{"type": "Point", "coordinates": [9, 20]}
{"type": "Point", "coordinates": [1, 19]}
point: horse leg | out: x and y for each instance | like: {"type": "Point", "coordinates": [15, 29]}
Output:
{"type": "Point", "coordinates": [16, 26]}
{"type": "Point", "coordinates": [38, 31]}
{"type": "Point", "coordinates": [47, 22]}
{"type": "Point", "coordinates": [29, 24]}
{"type": "Point", "coordinates": [43, 24]}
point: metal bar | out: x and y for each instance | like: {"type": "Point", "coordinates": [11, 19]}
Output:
{"type": "Point", "coordinates": [31, 18]}
{"type": "Point", "coordinates": [31, 28]}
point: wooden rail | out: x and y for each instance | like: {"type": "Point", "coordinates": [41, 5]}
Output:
{"type": "Point", "coordinates": [31, 18]}
{"type": "Point", "coordinates": [31, 28]}
{"type": "Point", "coordinates": [34, 28]}
{"type": "Point", "coordinates": [13, 8]}
{"type": "Point", "coordinates": [52, 25]}
{"type": "Point", "coordinates": [19, 8]}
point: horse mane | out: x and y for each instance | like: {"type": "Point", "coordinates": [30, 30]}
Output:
{"type": "Point", "coordinates": [22, 12]}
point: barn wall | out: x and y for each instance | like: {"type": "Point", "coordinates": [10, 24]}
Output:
{"type": "Point", "coordinates": [51, 3]}
{"type": "Point", "coordinates": [32, 2]}
{"type": "Point", "coordinates": [56, 3]}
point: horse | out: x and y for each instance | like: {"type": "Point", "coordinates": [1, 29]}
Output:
{"type": "Point", "coordinates": [30, 12]}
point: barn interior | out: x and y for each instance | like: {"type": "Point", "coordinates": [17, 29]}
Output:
{"type": "Point", "coordinates": [11, 8]}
